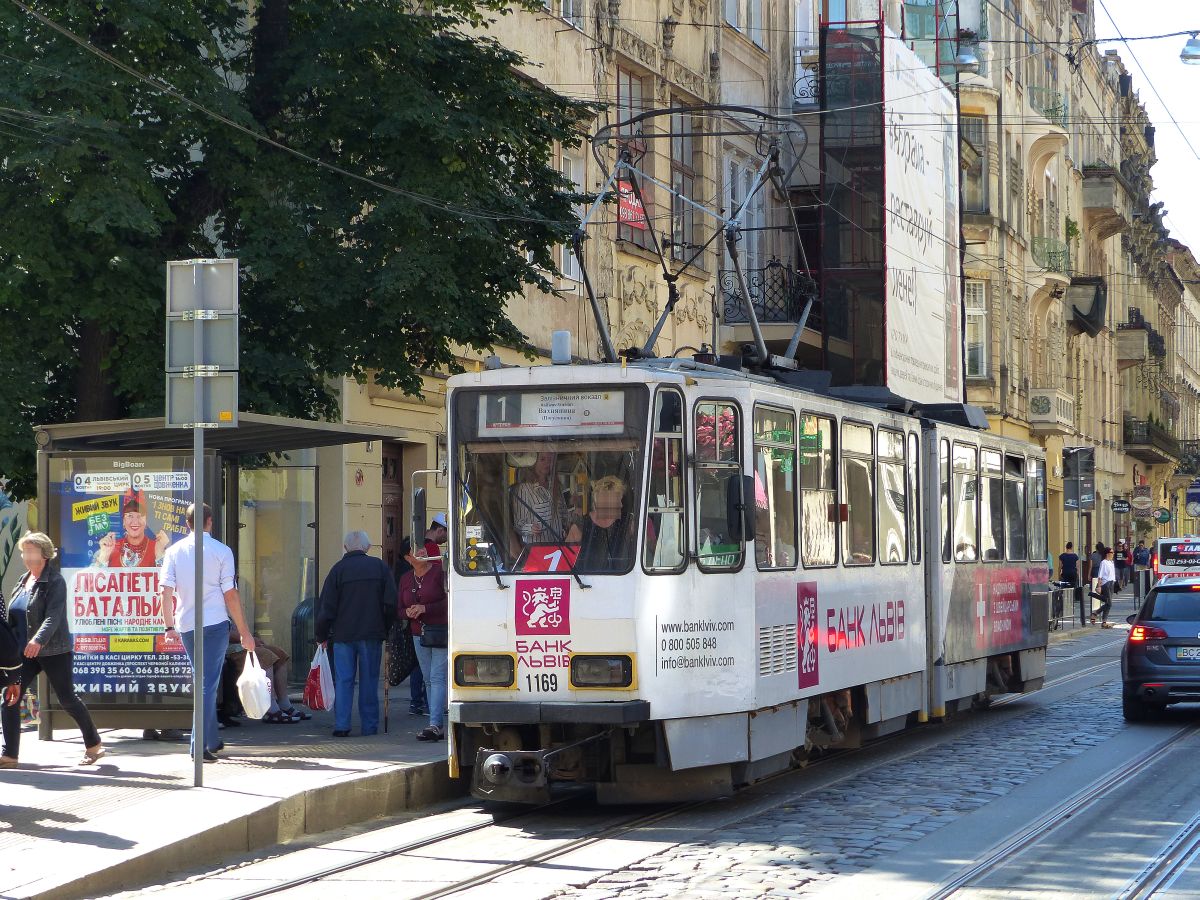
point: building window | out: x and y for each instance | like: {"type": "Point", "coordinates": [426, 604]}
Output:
{"type": "Point", "coordinates": [747, 17]}
{"type": "Point", "coordinates": [634, 217]}
{"type": "Point", "coordinates": [977, 333]}
{"type": "Point", "coordinates": [572, 169]}
{"type": "Point", "coordinates": [739, 178]}
{"type": "Point", "coordinates": [975, 179]}
{"type": "Point", "coordinates": [685, 162]}
{"type": "Point", "coordinates": [572, 11]}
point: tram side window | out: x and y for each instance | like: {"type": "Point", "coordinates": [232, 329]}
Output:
{"type": "Point", "coordinates": [1014, 506]}
{"type": "Point", "coordinates": [774, 488]}
{"type": "Point", "coordinates": [858, 489]}
{"type": "Point", "coordinates": [966, 499]}
{"type": "Point", "coordinates": [718, 486]}
{"type": "Point", "coordinates": [891, 502]}
{"type": "Point", "coordinates": [991, 507]}
{"type": "Point", "coordinates": [947, 511]}
{"type": "Point", "coordinates": [1035, 500]}
{"type": "Point", "coordinates": [818, 491]}
{"type": "Point", "coordinates": [664, 541]}
{"type": "Point", "coordinates": [914, 496]}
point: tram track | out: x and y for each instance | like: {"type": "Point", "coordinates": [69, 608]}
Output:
{"type": "Point", "coordinates": [1173, 859]}
{"type": "Point", "coordinates": [620, 825]}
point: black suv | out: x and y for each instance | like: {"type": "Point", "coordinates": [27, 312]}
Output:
{"type": "Point", "coordinates": [1160, 663]}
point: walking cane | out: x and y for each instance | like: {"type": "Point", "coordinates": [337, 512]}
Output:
{"type": "Point", "coordinates": [387, 687]}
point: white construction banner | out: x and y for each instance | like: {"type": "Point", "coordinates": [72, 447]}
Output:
{"type": "Point", "coordinates": [924, 328]}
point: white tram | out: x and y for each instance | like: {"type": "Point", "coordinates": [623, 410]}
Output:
{"type": "Point", "coordinates": [668, 579]}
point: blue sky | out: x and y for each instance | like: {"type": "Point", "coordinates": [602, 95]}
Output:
{"type": "Point", "coordinates": [1177, 174]}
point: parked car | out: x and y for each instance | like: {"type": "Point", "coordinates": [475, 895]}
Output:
{"type": "Point", "coordinates": [1160, 662]}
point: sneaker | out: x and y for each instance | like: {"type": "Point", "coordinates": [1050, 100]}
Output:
{"type": "Point", "coordinates": [209, 756]}
{"type": "Point", "coordinates": [341, 733]}
{"type": "Point", "coordinates": [418, 711]}
{"type": "Point", "coordinates": [431, 733]}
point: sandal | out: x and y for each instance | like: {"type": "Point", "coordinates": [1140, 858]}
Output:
{"type": "Point", "coordinates": [92, 754]}
{"type": "Point", "coordinates": [296, 714]}
{"type": "Point", "coordinates": [278, 718]}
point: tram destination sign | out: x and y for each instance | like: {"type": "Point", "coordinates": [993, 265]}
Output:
{"type": "Point", "coordinates": [552, 413]}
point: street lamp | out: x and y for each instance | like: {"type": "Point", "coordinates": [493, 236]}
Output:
{"type": "Point", "coordinates": [967, 63]}
{"type": "Point", "coordinates": [1191, 51]}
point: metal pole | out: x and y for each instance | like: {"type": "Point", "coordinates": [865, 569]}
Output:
{"type": "Point", "coordinates": [198, 535]}
{"type": "Point", "coordinates": [198, 589]}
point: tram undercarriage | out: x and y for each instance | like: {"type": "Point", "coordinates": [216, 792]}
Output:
{"type": "Point", "coordinates": [647, 761]}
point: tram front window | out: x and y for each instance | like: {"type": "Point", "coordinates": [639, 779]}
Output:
{"type": "Point", "coordinates": [548, 480]}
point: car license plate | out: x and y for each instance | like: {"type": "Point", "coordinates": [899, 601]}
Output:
{"type": "Point", "coordinates": [1187, 653]}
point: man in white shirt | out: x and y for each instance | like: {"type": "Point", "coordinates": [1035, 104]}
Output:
{"type": "Point", "coordinates": [177, 582]}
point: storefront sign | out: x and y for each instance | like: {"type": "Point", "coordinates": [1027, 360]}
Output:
{"type": "Point", "coordinates": [1120, 506]}
{"type": "Point", "coordinates": [1162, 515]}
{"type": "Point", "coordinates": [1142, 503]}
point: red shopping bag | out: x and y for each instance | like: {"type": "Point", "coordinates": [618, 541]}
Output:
{"type": "Point", "coordinates": [318, 689]}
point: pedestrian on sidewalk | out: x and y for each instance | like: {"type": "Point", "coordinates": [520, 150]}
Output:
{"type": "Point", "coordinates": [1068, 566]}
{"type": "Point", "coordinates": [423, 597]}
{"type": "Point", "coordinates": [418, 702]}
{"type": "Point", "coordinates": [222, 602]}
{"type": "Point", "coordinates": [1141, 557]}
{"type": "Point", "coordinates": [355, 611]}
{"type": "Point", "coordinates": [1121, 559]}
{"type": "Point", "coordinates": [1108, 581]}
{"type": "Point", "coordinates": [39, 604]}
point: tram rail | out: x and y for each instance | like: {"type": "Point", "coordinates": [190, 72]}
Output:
{"type": "Point", "coordinates": [1003, 853]}
{"type": "Point", "coordinates": [1175, 857]}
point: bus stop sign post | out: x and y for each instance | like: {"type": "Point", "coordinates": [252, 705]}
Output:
{"type": "Point", "coordinates": [201, 354]}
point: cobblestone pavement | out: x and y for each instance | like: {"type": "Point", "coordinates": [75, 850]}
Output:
{"type": "Point", "coordinates": [800, 846]}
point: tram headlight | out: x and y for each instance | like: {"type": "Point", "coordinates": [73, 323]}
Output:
{"type": "Point", "coordinates": [476, 670]}
{"type": "Point", "coordinates": [594, 670]}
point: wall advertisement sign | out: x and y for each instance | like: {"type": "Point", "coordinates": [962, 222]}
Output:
{"type": "Point", "coordinates": [112, 518]}
{"type": "Point", "coordinates": [923, 346]}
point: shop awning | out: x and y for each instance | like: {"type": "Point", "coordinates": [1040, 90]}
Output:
{"type": "Point", "coordinates": [254, 434]}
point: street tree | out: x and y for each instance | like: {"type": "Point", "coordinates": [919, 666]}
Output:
{"type": "Point", "coordinates": [382, 170]}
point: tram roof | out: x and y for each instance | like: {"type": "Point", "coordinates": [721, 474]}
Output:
{"type": "Point", "coordinates": [254, 433]}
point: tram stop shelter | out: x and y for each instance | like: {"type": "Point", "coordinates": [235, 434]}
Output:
{"type": "Point", "coordinates": [112, 496]}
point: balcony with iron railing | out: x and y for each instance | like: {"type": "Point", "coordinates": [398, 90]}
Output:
{"type": "Point", "coordinates": [1051, 105]}
{"type": "Point", "coordinates": [1051, 255]}
{"type": "Point", "coordinates": [1149, 441]}
{"type": "Point", "coordinates": [778, 292]}
{"type": "Point", "coordinates": [1189, 459]}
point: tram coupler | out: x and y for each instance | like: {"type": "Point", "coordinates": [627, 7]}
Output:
{"type": "Point", "coordinates": [519, 776]}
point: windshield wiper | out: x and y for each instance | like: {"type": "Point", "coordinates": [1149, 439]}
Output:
{"type": "Point", "coordinates": [491, 545]}
{"type": "Point", "coordinates": [558, 539]}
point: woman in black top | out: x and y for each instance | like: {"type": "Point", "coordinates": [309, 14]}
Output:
{"type": "Point", "coordinates": [40, 603]}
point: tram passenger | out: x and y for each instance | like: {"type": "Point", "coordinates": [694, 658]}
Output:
{"type": "Point", "coordinates": [539, 514]}
{"type": "Point", "coordinates": [604, 535]}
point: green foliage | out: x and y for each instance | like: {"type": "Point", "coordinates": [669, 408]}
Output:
{"type": "Point", "coordinates": [104, 178]}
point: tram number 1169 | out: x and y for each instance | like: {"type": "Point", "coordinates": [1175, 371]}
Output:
{"type": "Point", "coordinates": [542, 683]}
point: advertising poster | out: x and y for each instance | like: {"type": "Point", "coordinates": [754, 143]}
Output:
{"type": "Point", "coordinates": [921, 164]}
{"type": "Point", "coordinates": [113, 520]}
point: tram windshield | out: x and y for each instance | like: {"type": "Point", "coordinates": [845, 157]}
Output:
{"type": "Point", "coordinates": [548, 479]}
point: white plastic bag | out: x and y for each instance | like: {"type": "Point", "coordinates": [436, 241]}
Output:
{"type": "Point", "coordinates": [254, 688]}
{"type": "Point", "coordinates": [318, 689]}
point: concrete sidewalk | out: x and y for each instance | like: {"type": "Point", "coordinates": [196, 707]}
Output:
{"type": "Point", "coordinates": [69, 831]}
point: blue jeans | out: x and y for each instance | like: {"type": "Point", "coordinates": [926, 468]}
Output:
{"type": "Point", "coordinates": [433, 668]}
{"type": "Point", "coordinates": [416, 689]}
{"type": "Point", "coordinates": [363, 657]}
{"type": "Point", "coordinates": [215, 641]}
